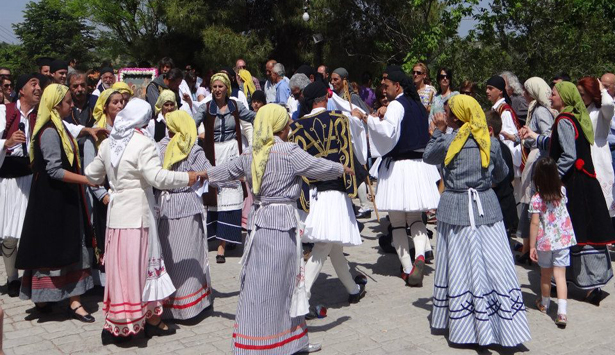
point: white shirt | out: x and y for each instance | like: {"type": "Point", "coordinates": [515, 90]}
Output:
{"type": "Point", "coordinates": [247, 130]}
{"type": "Point", "coordinates": [384, 134]}
{"type": "Point", "coordinates": [357, 135]}
{"type": "Point", "coordinates": [508, 126]}
{"type": "Point", "coordinates": [291, 105]}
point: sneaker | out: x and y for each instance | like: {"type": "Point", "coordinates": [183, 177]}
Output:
{"type": "Point", "coordinates": [561, 321]}
{"type": "Point", "coordinates": [357, 297]}
{"type": "Point", "coordinates": [310, 348]}
{"type": "Point", "coordinates": [541, 307]}
{"type": "Point", "coordinates": [415, 279]}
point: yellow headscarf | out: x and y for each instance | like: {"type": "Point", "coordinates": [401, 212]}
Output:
{"type": "Point", "coordinates": [99, 110]}
{"type": "Point", "coordinates": [182, 125]}
{"type": "Point", "coordinates": [270, 119]}
{"type": "Point", "coordinates": [468, 110]}
{"type": "Point", "coordinates": [225, 80]}
{"type": "Point", "coordinates": [165, 96]}
{"type": "Point", "coordinates": [52, 96]}
{"type": "Point", "coordinates": [122, 88]}
{"type": "Point", "coordinates": [248, 84]}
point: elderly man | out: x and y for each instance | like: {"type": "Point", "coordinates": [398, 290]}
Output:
{"type": "Point", "coordinates": [297, 83]}
{"type": "Point", "coordinates": [81, 113]}
{"type": "Point", "coordinates": [107, 79]}
{"type": "Point", "coordinates": [241, 64]}
{"type": "Point", "coordinates": [608, 81]}
{"type": "Point", "coordinates": [343, 89]}
{"type": "Point", "coordinates": [282, 90]}
{"type": "Point", "coordinates": [269, 84]}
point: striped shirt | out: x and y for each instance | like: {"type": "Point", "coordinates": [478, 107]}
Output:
{"type": "Point", "coordinates": [281, 181]}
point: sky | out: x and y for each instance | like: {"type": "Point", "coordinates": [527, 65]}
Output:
{"type": "Point", "coordinates": [12, 13]}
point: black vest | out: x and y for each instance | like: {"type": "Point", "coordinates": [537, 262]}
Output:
{"type": "Point", "coordinates": [414, 131]}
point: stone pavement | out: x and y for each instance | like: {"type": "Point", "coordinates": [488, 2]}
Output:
{"type": "Point", "coordinates": [391, 319]}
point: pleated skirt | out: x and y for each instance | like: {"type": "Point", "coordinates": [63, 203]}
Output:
{"type": "Point", "coordinates": [184, 247]}
{"type": "Point", "coordinates": [590, 267]}
{"type": "Point", "coordinates": [408, 186]}
{"type": "Point", "coordinates": [476, 291]}
{"type": "Point", "coordinates": [13, 203]}
{"type": "Point", "coordinates": [331, 220]}
{"type": "Point", "coordinates": [263, 323]}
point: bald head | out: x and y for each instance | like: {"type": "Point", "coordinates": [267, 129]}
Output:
{"type": "Point", "coordinates": [608, 81]}
{"type": "Point", "coordinates": [269, 68]}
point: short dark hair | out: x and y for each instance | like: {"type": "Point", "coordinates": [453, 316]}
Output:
{"type": "Point", "coordinates": [494, 121]}
{"type": "Point", "coordinates": [174, 74]}
{"type": "Point", "coordinates": [547, 181]}
{"type": "Point", "coordinates": [365, 78]}
{"type": "Point", "coordinates": [561, 76]}
{"type": "Point", "coordinates": [166, 61]}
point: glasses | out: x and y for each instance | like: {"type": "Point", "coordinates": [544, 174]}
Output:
{"type": "Point", "coordinates": [8, 85]}
{"type": "Point", "coordinates": [445, 76]}
{"type": "Point", "coordinates": [417, 72]}
{"type": "Point", "coordinates": [466, 92]}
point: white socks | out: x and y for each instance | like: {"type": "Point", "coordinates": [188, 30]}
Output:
{"type": "Point", "coordinates": [561, 306]}
{"type": "Point", "coordinates": [546, 301]}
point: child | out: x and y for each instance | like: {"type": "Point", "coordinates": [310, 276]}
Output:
{"type": "Point", "coordinates": [551, 235]}
{"type": "Point", "coordinates": [504, 190]}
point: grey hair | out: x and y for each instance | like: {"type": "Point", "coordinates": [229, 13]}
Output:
{"type": "Point", "coordinates": [299, 81]}
{"type": "Point", "coordinates": [320, 99]}
{"type": "Point", "coordinates": [74, 74]}
{"type": "Point", "coordinates": [278, 68]}
{"type": "Point", "coordinates": [513, 82]}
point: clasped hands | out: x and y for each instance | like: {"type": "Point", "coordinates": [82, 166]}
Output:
{"type": "Point", "coordinates": [194, 176]}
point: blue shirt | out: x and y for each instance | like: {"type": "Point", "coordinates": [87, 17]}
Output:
{"type": "Point", "coordinates": [282, 92]}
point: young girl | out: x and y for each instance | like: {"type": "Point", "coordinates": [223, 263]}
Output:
{"type": "Point", "coordinates": [551, 235]}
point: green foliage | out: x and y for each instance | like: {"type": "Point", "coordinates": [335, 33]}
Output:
{"type": "Point", "coordinates": [50, 29]}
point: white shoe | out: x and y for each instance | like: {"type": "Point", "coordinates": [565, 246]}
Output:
{"type": "Point", "coordinates": [310, 348]}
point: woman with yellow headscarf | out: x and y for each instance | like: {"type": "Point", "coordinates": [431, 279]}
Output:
{"type": "Point", "coordinates": [222, 118]}
{"type": "Point", "coordinates": [180, 227]}
{"type": "Point", "coordinates": [475, 264]}
{"type": "Point", "coordinates": [53, 249]}
{"type": "Point", "coordinates": [167, 102]}
{"type": "Point", "coordinates": [269, 313]}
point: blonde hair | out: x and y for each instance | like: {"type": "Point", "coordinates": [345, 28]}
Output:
{"type": "Point", "coordinates": [427, 80]}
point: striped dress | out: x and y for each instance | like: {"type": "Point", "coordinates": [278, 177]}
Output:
{"type": "Point", "coordinates": [263, 322]}
{"type": "Point", "coordinates": [476, 291]}
{"type": "Point", "coordinates": [183, 241]}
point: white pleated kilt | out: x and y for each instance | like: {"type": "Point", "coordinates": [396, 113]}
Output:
{"type": "Point", "coordinates": [476, 291]}
{"type": "Point", "coordinates": [331, 219]}
{"type": "Point", "coordinates": [14, 195]}
{"type": "Point", "coordinates": [408, 186]}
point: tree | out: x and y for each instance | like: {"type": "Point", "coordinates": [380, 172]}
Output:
{"type": "Point", "coordinates": [50, 29]}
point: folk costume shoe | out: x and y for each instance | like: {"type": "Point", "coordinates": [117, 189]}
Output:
{"type": "Point", "coordinates": [415, 278]}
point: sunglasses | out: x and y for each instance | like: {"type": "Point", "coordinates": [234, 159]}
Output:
{"type": "Point", "coordinates": [417, 72]}
{"type": "Point", "coordinates": [8, 85]}
{"type": "Point", "coordinates": [466, 92]}
{"type": "Point", "coordinates": [445, 76]}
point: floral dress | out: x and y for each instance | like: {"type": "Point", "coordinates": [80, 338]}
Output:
{"type": "Point", "coordinates": [555, 229]}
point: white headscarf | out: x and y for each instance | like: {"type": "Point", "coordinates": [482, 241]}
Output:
{"type": "Point", "coordinates": [540, 91]}
{"type": "Point", "coordinates": [136, 114]}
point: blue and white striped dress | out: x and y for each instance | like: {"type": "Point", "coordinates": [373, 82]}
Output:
{"type": "Point", "coordinates": [263, 320]}
{"type": "Point", "coordinates": [476, 290]}
{"type": "Point", "coordinates": [184, 242]}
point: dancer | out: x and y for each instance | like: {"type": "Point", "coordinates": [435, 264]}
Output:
{"type": "Point", "coordinates": [269, 315]}
{"type": "Point", "coordinates": [474, 262]}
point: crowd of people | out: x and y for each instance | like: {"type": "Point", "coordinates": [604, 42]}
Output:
{"type": "Point", "coordinates": [101, 188]}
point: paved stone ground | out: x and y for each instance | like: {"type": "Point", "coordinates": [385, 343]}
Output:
{"type": "Point", "coordinates": [391, 319]}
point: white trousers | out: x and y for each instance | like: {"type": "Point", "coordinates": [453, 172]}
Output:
{"type": "Point", "coordinates": [314, 265]}
{"type": "Point", "coordinates": [9, 254]}
{"type": "Point", "coordinates": [399, 220]}
{"type": "Point", "coordinates": [362, 194]}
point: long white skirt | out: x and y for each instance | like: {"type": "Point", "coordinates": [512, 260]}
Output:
{"type": "Point", "coordinates": [603, 164]}
{"type": "Point", "coordinates": [331, 219]}
{"type": "Point", "coordinates": [14, 195]}
{"type": "Point", "coordinates": [407, 185]}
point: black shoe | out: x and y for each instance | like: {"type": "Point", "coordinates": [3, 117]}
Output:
{"type": "Point", "coordinates": [108, 338]}
{"type": "Point", "coordinates": [595, 296]}
{"type": "Point", "coordinates": [220, 259]}
{"type": "Point", "coordinates": [364, 214]}
{"type": "Point", "coordinates": [357, 297]}
{"type": "Point", "coordinates": [428, 257]}
{"type": "Point", "coordinates": [14, 287]}
{"type": "Point", "coordinates": [46, 309]}
{"type": "Point", "coordinates": [151, 330]}
{"type": "Point", "coordinates": [360, 279]}
{"type": "Point", "coordinates": [85, 319]}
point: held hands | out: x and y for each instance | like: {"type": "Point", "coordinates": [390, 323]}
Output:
{"type": "Point", "coordinates": [357, 113]}
{"type": "Point", "coordinates": [18, 137]}
{"type": "Point", "coordinates": [348, 171]}
{"type": "Point", "coordinates": [533, 255]}
{"type": "Point", "coordinates": [525, 132]}
{"type": "Point", "coordinates": [508, 136]}
{"type": "Point", "coordinates": [94, 132]}
{"type": "Point", "coordinates": [194, 176]}
{"type": "Point", "coordinates": [381, 112]}
{"type": "Point", "coordinates": [105, 200]}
